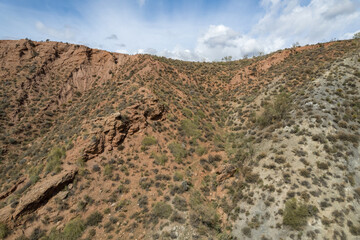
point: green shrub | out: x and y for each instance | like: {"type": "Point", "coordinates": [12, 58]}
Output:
{"type": "Point", "coordinates": [296, 214]}
{"type": "Point", "coordinates": [275, 111]}
{"type": "Point", "coordinates": [178, 151]}
{"type": "Point", "coordinates": [355, 230]}
{"type": "Point", "coordinates": [187, 113]}
{"type": "Point", "coordinates": [305, 173]}
{"type": "Point", "coordinates": [54, 159]}
{"type": "Point", "coordinates": [94, 219]}
{"type": "Point", "coordinates": [160, 159]}
{"type": "Point", "coordinates": [348, 137]}
{"type": "Point", "coordinates": [162, 210]}
{"type": "Point", "coordinates": [252, 177]}
{"type": "Point", "coordinates": [108, 170]}
{"type": "Point", "coordinates": [148, 141]}
{"type": "Point", "coordinates": [178, 176]}
{"type": "Point", "coordinates": [246, 231]}
{"type": "Point", "coordinates": [200, 150]}
{"type": "Point", "coordinates": [200, 114]}
{"type": "Point", "coordinates": [203, 213]}
{"type": "Point", "coordinates": [180, 203]}
{"type": "Point", "coordinates": [122, 204]}
{"type": "Point", "coordinates": [72, 231]}
{"type": "Point", "coordinates": [322, 165]}
{"type": "Point", "coordinates": [190, 128]}
{"type": "Point", "coordinates": [4, 231]}
{"type": "Point", "coordinates": [176, 217]}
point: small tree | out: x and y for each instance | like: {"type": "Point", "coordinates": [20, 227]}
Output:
{"type": "Point", "coordinates": [227, 59]}
{"type": "Point", "coordinates": [356, 35]}
{"type": "Point", "coordinates": [296, 44]}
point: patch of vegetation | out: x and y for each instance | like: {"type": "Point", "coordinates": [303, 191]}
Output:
{"type": "Point", "coordinates": [276, 111]}
{"type": "Point", "coordinates": [148, 141]}
{"type": "Point", "coordinates": [200, 150]}
{"type": "Point", "coordinates": [203, 214]}
{"type": "Point", "coordinates": [187, 113]}
{"type": "Point", "coordinates": [344, 137]}
{"type": "Point", "coordinates": [178, 151]}
{"type": "Point", "coordinates": [322, 165]}
{"type": "Point", "coordinates": [246, 231]}
{"type": "Point", "coordinates": [178, 176]}
{"type": "Point", "coordinates": [94, 219]}
{"type": "Point", "coordinates": [108, 170]}
{"type": "Point", "coordinates": [305, 173]}
{"type": "Point", "coordinates": [180, 203]}
{"type": "Point", "coordinates": [355, 230]}
{"type": "Point", "coordinates": [296, 214]}
{"type": "Point", "coordinates": [54, 159]}
{"type": "Point", "coordinates": [189, 128]}
{"type": "Point", "coordinates": [72, 231]}
{"type": "Point", "coordinates": [162, 210]}
{"type": "Point", "coordinates": [160, 159]}
{"type": "Point", "coordinates": [4, 231]}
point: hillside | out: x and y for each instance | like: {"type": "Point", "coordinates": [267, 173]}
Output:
{"type": "Point", "coordinates": [100, 145]}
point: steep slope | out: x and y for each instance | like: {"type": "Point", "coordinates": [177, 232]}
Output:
{"type": "Point", "coordinates": [101, 145]}
{"type": "Point", "coordinates": [310, 164]}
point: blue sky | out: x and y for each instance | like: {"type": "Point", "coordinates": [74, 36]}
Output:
{"type": "Point", "coordinates": [185, 29]}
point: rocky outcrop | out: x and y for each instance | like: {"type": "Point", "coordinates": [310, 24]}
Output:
{"type": "Point", "coordinates": [38, 195]}
{"type": "Point", "coordinates": [225, 172]}
{"type": "Point", "coordinates": [117, 126]}
{"type": "Point", "coordinates": [12, 189]}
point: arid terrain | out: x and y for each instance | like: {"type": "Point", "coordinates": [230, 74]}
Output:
{"type": "Point", "coordinates": [101, 145]}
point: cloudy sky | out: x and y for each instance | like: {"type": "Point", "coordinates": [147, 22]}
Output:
{"type": "Point", "coordinates": [194, 30]}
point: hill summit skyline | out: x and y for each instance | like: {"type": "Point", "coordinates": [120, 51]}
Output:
{"type": "Point", "coordinates": [186, 30]}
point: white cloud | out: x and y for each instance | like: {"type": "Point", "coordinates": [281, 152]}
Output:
{"type": "Point", "coordinates": [229, 31]}
{"type": "Point", "coordinates": [66, 32]}
{"type": "Point", "coordinates": [350, 35]}
{"type": "Point", "coordinates": [283, 23]}
{"type": "Point", "coordinates": [317, 21]}
{"type": "Point", "coordinates": [220, 41]}
{"type": "Point", "coordinates": [337, 9]}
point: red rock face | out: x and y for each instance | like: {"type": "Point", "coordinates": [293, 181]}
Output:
{"type": "Point", "coordinates": [117, 126]}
